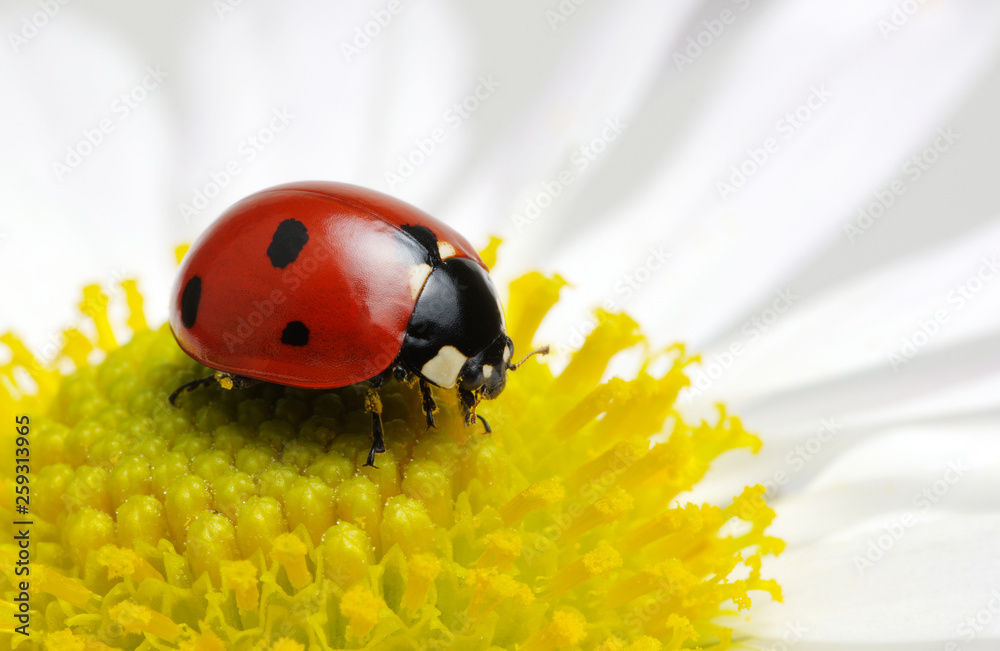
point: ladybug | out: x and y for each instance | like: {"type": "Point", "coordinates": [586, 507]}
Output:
{"type": "Point", "coordinates": [322, 285]}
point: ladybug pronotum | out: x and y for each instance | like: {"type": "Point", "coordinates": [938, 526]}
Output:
{"type": "Point", "coordinates": [322, 285]}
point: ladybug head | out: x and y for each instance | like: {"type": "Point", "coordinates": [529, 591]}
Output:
{"type": "Point", "coordinates": [486, 373]}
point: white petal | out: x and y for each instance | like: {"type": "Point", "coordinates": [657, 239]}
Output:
{"type": "Point", "coordinates": [891, 541]}
{"type": "Point", "coordinates": [356, 105]}
{"type": "Point", "coordinates": [82, 172]}
{"type": "Point", "coordinates": [920, 468]}
{"type": "Point", "coordinates": [569, 84]}
{"type": "Point", "coordinates": [886, 325]}
{"type": "Point", "coordinates": [889, 97]}
{"type": "Point", "coordinates": [931, 580]}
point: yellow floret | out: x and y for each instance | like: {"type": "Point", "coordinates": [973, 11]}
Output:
{"type": "Point", "coordinates": [245, 518]}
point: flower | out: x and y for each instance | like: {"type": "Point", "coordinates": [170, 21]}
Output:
{"type": "Point", "coordinates": [849, 215]}
{"type": "Point", "coordinates": [247, 517]}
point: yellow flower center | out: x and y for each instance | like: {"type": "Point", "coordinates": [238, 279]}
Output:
{"type": "Point", "coordinates": [245, 518]}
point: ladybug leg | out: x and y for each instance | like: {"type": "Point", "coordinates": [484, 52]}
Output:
{"type": "Point", "coordinates": [427, 403]}
{"type": "Point", "coordinates": [469, 402]}
{"type": "Point", "coordinates": [226, 380]}
{"type": "Point", "coordinates": [373, 405]}
{"type": "Point", "coordinates": [378, 445]}
{"type": "Point", "coordinates": [190, 386]}
{"type": "Point", "coordinates": [402, 375]}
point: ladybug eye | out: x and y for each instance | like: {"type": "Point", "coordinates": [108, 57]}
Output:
{"type": "Point", "coordinates": [472, 377]}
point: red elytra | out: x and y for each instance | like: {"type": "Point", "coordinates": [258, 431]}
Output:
{"type": "Point", "coordinates": [349, 289]}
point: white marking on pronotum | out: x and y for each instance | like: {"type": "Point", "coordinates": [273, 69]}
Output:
{"type": "Point", "coordinates": [444, 368]}
{"type": "Point", "coordinates": [507, 352]}
{"type": "Point", "coordinates": [487, 371]}
{"type": "Point", "coordinates": [418, 274]}
{"type": "Point", "coordinates": [445, 250]}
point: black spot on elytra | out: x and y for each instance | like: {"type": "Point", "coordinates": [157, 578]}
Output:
{"type": "Point", "coordinates": [427, 239]}
{"type": "Point", "coordinates": [295, 334]}
{"type": "Point", "coordinates": [289, 238]}
{"type": "Point", "coordinates": [190, 299]}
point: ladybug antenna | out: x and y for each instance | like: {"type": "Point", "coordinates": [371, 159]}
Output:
{"type": "Point", "coordinates": [544, 350]}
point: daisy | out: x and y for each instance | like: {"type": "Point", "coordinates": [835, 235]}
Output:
{"type": "Point", "coordinates": [763, 181]}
